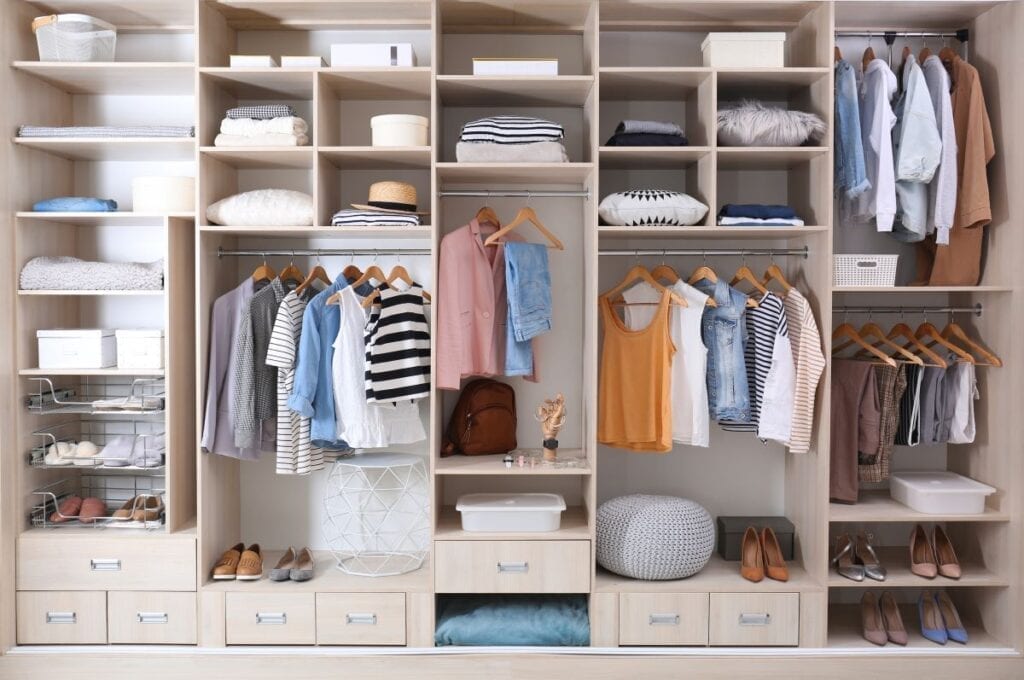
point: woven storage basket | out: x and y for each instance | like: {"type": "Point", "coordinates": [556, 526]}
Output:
{"type": "Point", "coordinates": [865, 270]}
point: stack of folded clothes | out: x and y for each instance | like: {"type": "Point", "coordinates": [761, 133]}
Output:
{"type": "Point", "coordinates": [647, 133]}
{"type": "Point", "coordinates": [758, 215]}
{"type": "Point", "coordinates": [376, 218]}
{"type": "Point", "coordinates": [511, 139]}
{"type": "Point", "coordinates": [262, 125]}
{"type": "Point", "coordinates": [107, 131]}
{"type": "Point", "coordinates": [389, 204]}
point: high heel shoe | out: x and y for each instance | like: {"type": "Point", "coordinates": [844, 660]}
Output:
{"type": "Point", "coordinates": [872, 625]}
{"type": "Point", "coordinates": [955, 630]}
{"type": "Point", "coordinates": [864, 555]}
{"type": "Point", "coordinates": [774, 563]}
{"type": "Point", "coordinates": [892, 619]}
{"type": "Point", "coordinates": [922, 557]}
{"type": "Point", "coordinates": [844, 559]}
{"type": "Point", "coordinates": [932, 627]}
{"type": "Point", "coordinates": [751, 556]}
{"type": "Point", "coordinates": [945, 555]}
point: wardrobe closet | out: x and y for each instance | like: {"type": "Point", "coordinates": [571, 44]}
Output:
{"type": "Point", "coordinates": [617, 60]}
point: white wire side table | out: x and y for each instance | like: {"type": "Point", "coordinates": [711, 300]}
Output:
{"type": "Point", "coordinates": [376, 513]}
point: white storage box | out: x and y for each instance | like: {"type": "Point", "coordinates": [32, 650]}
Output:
{"type": "Point", "coordinates": [74, 37]}
{"type": "Point", "coordinates": [511, 512]}
{"type": "Point", "coordinates": [515, 67]}
{"type": "Point", "coordinates": [372, 54]}
{"type": "Point", "coordinates": [864, 270]}
{"type": "Point", "coordinates": [301, 61]}
{"type": "Point", "coordinates": [939, 493]}
{"type": "Point", "coordinates": [399, 129]}
{"type": "Point", "coordinates": [744, 50]}
{"type": "Point", "coordinates": [163, 194]}
{"type": "Point", "coordinates": [252, 61]}
{"type": "Point", "coordinates": [140, 348]}
{"type": "Point", "coordinates": [76, 348]}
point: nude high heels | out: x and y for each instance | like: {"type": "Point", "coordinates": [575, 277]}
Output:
{"type": "Point", "coordinates": [872, 625]}
{"type": "Point", "coordinates": [751, 556]}
{"type": "Point", "coordinates": [892, 619]}
{"type": "Point", "coordinates": [922, 557]}
{"type": "Point", "coordinates": [945, 556]}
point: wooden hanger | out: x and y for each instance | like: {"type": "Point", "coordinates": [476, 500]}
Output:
{"type": "Point", "coordinates": [902, 331]}
{"type": "Point", "coordinates": [525, 214]}
{"type": "Point", "coordinates": [351, 272]}
{"type": "Point", "coordinates": [930, 336]}
{"type": "Point", "coordinates": [317, 273]}
{"type": "Point", "coordinates": [398, 273]}
{"type": "Point", "coordinates": [665, 272]}
{"type": "Point", "coordinates": [869, 56]}
{"type": "Point", "coordinates": [487, 214]}
{"type": "Point", "coordinates": [774, 273]}
{"type": "Point", "coordinates": [264, 272]}
{"type": "Point", "coordinates": [847, 332]}
{"type": "Point", "coordinates": [701, 273]}
{"type": "Point", "coordinates": [640, 273]}
{"type": "Point", "coordinates": [744, 273]}
{"type": "Point", "coordinates": [947, 55]}
{"type": "Point", "coordinates": [953, 331]}
{"type": "Point", "coordinates": [872, 330]}
{"type": "Point", "coordinates": [838, 54]}
{"type": "Point", "coordinates": [372, 272]}
{"type": "Point", "coordinates": [924, 54]}
{"type": "Point", "coordinates": [292, 273]}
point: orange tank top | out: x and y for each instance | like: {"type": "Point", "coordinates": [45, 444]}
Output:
{"type": "Point", "coordinates": [634, 407]}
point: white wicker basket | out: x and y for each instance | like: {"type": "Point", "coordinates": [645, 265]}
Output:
{"type": "Point", "coordinates": [74, 37]}
{"type": "Point", "coordinates": [864, 270]}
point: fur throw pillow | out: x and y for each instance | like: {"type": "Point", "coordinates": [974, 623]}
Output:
{"type": "Point", "coordinates": [263, 207]}
{"type": "Point", "coordinates": [751, 123]}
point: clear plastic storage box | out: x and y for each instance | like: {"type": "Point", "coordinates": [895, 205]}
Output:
{"type": "Point", "coordinates": [939, 493]}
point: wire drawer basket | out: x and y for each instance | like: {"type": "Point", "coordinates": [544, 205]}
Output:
{"type": "Point", "coordinates": [864, 270]}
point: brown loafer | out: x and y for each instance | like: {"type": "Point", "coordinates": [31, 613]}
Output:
{"type": "Point", "coordinates": [227, 566]}
{"type": "Point", "coordinates": [774, 564]}
{"type": "Point", "coordinates": [751, 556]}
{"type": "Point", "coordinates": [92, 509]}
{"type": "Point", "coordinates": [250, 566]}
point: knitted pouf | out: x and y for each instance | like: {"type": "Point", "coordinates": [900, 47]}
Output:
{"type": "Point", "coordinates": [654, 538]}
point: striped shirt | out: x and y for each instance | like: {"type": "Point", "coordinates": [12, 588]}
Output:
{"type": "Point", "coordinates": [511, 130]}
{"type": "Point", "coordinates": [398, 347]}
{"type": "Point", "coordinates": [764, 323]}
{"type": "Point", "coordinates": [909, 431]}
{"type": "Point", "coordinates": [373, 217]}
{"type": "Point", "coordinates": [810, 364]}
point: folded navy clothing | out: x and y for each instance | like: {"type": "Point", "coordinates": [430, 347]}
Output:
{"type": "Point", "coordinates": [758, 211]}
{"type": "Point", "coordinates": [645, 139]}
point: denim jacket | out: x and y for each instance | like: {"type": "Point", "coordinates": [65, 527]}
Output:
{"type": "Point", "coordinates": [724, 331]}
{"type": "Point", "coordinates": [851, 176]}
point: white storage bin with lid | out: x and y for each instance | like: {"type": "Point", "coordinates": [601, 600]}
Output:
{"type": "Point", "coordinates": [511, 512]}
{"type": "Point", "coordinates": [939, 493]}
{"type": "Point", "coordinates": [163, 194]}
{"type": "Point", "coordinates": [140, 348]}
{"type": "Point", "coordinates": [372, 54]}
{"type": "Point", "coordinates": [74, 348]}
{"type": "Point", "coordinates": [74, 37]}
{"type": "Point", "coordinates": [399, 129]}
{"type": "Point", "coordinates": [744, 50]}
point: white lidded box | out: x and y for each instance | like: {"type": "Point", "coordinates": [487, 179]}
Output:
{"type": "Point", "coordinates": [76, 348]}
{"type": "Point", "coordinates": [939, 493]}
{"type": "Point", "coordinates": [511, 512]}
{"type": "Point", "coordinates": [163, 194]}
{"type": "Point", "coordinates": [514, 67]}
{"type": "Point", "coordinates": [399, 129]}
{"type": "Point", "coordinates": [140, 348]}
{"type": "Point", "coordinates": [372, 54]}
{"type": "Point", "coordinates": [744, 50]}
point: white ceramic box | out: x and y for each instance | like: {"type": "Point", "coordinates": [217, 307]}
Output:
{"type": "Point", "coordinates": [140, 348]}
{"type": "Point", "coordinates": [372, 54]}
{"type": "Point", "coordinates": [744, 50]}
{"type": "Point", "coordinates": [85, 348]}
{"type": "Point", "coordinates": [939, 493]}
{"type": "Point", "coordinates": [399, 129]}
{"type": "Point", "coordinates": [511, 512]}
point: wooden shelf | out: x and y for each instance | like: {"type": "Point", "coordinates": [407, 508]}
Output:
{"type": "Point", "coordinates": [378, 157]}
{"type": "Point", "coordinates": [520, 173]}
{"type": "Point", "coordinates": [114, 148]}
{"type": "Point", "coordinates": [925, 290]}
{"type": "Point", "coordinates": [626, 83]}
{"type": "Point", "coordinates": [122, 77]}
{"type": "Point", "coordinates": [766, 157]}
{"type": "Point", "coordinates": [844, 632]}
{"type": "Point", "coordinates": [312, 15]}
{"type": "Point", "coordinates": [896, 560]}
{"type": "Point", "coordinates": [369, 231]}
{"type": "Point", "coordinates": [573, 527]}
{"type": "Point", "coordinates": [514, 90]}
{"type": "Point", "coordinates": [111, 372]}
{"type": "Point", "coordinates": [387, 83]}
{"type": "Point", "coordinates": [128, 15]}
{"type": "Point", "coordinates": [718, 576]}
{"type": "Point", "coordinates": [786, 79]}
{"type": "Point", "coordinates": [97, 293]}
{"type": "Point", "coordinates": [327, 578]}
{"type": "Point", "coordinates": [102, 218]}
{"type": "Point", "coordinates": [650, 157]}
{"type": "Point", "coordinates": [606, 232]}
{"type": "Point", "coordinates": [494, 465]}
{"type": "Point", "coordinates": [246, 157]}
{"type": "Point", "coordinates": [262, 83]}
{"type": "Point", "coordinates": [877, 506]}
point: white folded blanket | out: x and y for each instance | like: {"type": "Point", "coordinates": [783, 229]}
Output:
{"type": "Point", "coordinates": [488, 152]}
{"type": "Point", "coordinates": [286, 125]}
{"type": "Point", "coordinates": [70, 273]}
{"type": "Point", "coordinates": [269, 139]}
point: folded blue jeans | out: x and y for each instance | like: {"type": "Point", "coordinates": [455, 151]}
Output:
{"type": "Point", "coordinates": [76, 204]}
{"type": "Point", "coordinates": [528, 283]}
{"type": "Point", "coordinates": [761, 212]}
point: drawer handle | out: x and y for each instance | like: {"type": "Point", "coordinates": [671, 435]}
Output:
{"type": "Point", "coordinates": [663, 619]}
{"type": "Point", "coordinates": [61, 617]}
{"type": "Point", "coordinates": [759, 619]}
{"type": "Point", "coordinates": [513, 567]}
{"type": "Point", "coordinates": [151, 617]}
{"type": "Point", "coordinates": [105, 565]}
{"type": "Point", "coordinates": [361, 619]}
{"type": "Point", "coordinates": [271, 618]}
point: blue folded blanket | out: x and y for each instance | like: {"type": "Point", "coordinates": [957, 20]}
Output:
{"type": "Point", "coordinates": [75, 204]}
{"type": "Point", "coordinates": [513, 621]}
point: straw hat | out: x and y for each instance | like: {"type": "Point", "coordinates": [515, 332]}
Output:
{"type": "Point", "coordinates": [391, 197]}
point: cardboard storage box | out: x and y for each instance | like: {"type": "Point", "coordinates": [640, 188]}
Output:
{"type": "Point", "coordinates": [730, 534]}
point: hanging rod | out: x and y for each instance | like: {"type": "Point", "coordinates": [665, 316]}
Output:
{"type": "Point", "coordinates": [264, 252]}
{"type": "Point", "coordinates": [705, 252]}
{"type": "Point", "coordinates": [962, 35]}
{"type": "Point", "coordinates": [910, 309]}
{"type": "Point", "coordinates": [514, 193]}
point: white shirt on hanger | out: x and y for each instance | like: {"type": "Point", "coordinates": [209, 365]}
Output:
{"type": "Point", "coordinates": [877, 87]}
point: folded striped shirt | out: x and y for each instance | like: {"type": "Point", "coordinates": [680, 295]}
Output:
{"type": "Point", "coordinates": [373, 218]}
{"type": "Point", "coordinates": [262, 111]}
{"type": "Point", "coordinates": [107, 131]}
{"type": "Point", "coordinates": [511, 130]}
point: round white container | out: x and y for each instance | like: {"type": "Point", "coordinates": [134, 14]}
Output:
{"type": "Point", "coordinates": [399, 129]}
{"type": "Point", "coordinates": [163, 194]}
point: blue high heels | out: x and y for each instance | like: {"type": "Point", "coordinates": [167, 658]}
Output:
{"type": "Point", "coordinates": [932, 626]}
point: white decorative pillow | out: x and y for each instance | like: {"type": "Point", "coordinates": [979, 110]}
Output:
{"type": "Point", "coordinates": [651, 207]}
{"type": "Point", "coordinates": [751, 123]}
{"type": "Point", "coordinates": [263, 207]}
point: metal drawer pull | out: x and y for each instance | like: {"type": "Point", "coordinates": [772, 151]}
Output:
{"type": "Point", "coordinates": [105, 565]}
{"type": "Point", "coordinates": [663, 619]}
{"type": "Point", "coordinates": [361, 619]}
{"type": "Point", "coordinates": [152, 617]}
{"type": "Point", "coordinates": [61, 617]}
{"type": "Point", "coordinates": [513, 567]}
{"type": "Point", "coordinates": [762, 619]}
{"type": "Point", "coordinates": [275, 618]}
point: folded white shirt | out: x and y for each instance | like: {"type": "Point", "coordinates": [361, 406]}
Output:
{"type": "Point", "coordinates": [269, 139]}
{"type": "Point", "coordinates": [289, 125]}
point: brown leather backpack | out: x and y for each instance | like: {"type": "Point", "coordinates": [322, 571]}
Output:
{"type": "Point", "coordinates": [484, 420]}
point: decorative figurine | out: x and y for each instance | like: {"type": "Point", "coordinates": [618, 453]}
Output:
{"type": "Point", "coordinates": [551, 415]}
{"type": "Point", "coordinates": [508, 460]}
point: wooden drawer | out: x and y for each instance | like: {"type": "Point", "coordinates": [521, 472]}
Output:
{"type": "Point", "coordinates": [62, 618]}
{"type": "Point", "coordinates": [270, 618]}
{"type": "Point", "coordinates": [755, 619]}
{"type": "Point", "coordinates": [99, 562]}
{"type": "Point", "coordinates": [677, 619]}
{"type": "Point", "coordinates": [151, 618]}
{"type": "Point", "coordinates": [512, 566]}
{"type": "Point", "coordinates": [360, 618]}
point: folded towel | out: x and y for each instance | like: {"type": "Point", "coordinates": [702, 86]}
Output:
{"type": "Point", "coordinates": [70, 273]}
{"type": "Point", "coordinates": [107, 131]}
{"type": "Point", "coordinates": [757, 210]}
{"type": "Point", "coordinates": [484, 152]}
{"type": "Point", "coordinates": [250, 127]}
{"type": "Point", "coordinates": [261, 111]}
{"type": "Point", "coordinates": [269, 139]}
{"type": "Point", "coordinates": [645, 139]}
{"type": "Point", "coordinates": [76, 204]}
{"type": "Point", "coordinates": [511, 130]}
{"type": "Point", "coordinates": [373, 217]}
{"type": "Point", "coordinates": [755, 222]}
{"type": "Point", "coordinates": [649, 127]}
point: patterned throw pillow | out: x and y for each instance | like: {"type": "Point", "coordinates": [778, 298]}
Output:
{"type": "Point", "coordinates": [651, 207]}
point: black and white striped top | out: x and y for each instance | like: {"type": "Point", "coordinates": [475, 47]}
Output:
{"type": "Point", "coordinates": [346, 217]}
{"type": "Point", "coordinates": [398, 347]}
{"type": "Point", "coordinates": [908, 432]}
{"type": "Point", "coordinates": [764, 323]}
{"type": "Point", "coordinates": [511, 130]}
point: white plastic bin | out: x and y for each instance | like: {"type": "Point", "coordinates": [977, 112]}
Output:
{"type": "Point", "coordinates": [744, 50]}
{"type": "Point", "coordinates": [62, 348]}
{"type": "Point", "coordinates": [74, 37]}
{"type": "Point", "coordinates": [163, 194]}
{"type": "Point", "coordinates": [372, 54]}
{"type": "Point", "coordinates": [140, 348]}
{"type": "Point", "coordinates": [399, 129]}
{"type": "Point", "coordinates": [939, 493]}
{"type": "Point", "coordinates": [511, 512]}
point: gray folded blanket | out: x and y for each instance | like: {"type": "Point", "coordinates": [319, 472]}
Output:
{"type": "Point", "coordinates": [488, 152]}
{"type": "Point", "coordinates": [70, 273]}
{"type": "Point", "coordinates": [113, 131]}
{"type": "Point", "coordinates": [650, 127]}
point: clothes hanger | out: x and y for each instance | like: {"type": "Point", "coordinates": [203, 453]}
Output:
{"type": "Point", "coordinates": [838, 54]}
{"type": "Point", "coordinates": [930, 336]}
{"type": "Point", "coordinates": [264, 272]}
{"type": "Point", "coordinates": [487, 214]}
{"type": "Point", "coordinates": [398, 273]}
{"type": "Point", "coordinates": [925, 50]}
{"type": "Point", "coordinates": [665, 272]}
{"type": "Point", "coordinates": [317, 273]}
{"type": "Point", "coordinates": [881, 340]}
{"type": "Point", "coordinates": [525, 214]}
{"type": "Point", "coordinates": [869, 54]}
{"type": "Point", "coordinates": [953, 331]}
{"type": "Point", "coordinates": [292, 273]}
{"type": "Point", "coordinates": [774, 273]}
{"type": "Point", "coordinates": [640, 273]}
{"type": "Point", "coordinates": [947, 53]}
{"type": "Point", "coordinates": [372, 272]}
{"type": "Point", "coordinates": [744, 273]}
{"type": "Point", "coordinates": [704, 272]}
{"type": "Point", "coordinates": [845, 331]}
{"type": "Point", "coordinates": [902, 331]}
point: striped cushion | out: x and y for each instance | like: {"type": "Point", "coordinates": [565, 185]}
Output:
{"type": "Point", "coordinates": [511, 130]}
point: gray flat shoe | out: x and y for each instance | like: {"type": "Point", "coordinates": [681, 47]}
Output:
{"type": "Point", "coordinates": [302, 570]}
{"type": "Point", "coordinates": [284, 566]}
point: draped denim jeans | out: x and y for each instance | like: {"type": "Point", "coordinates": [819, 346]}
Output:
{"type": "Point", "coordinates": [528, 284]}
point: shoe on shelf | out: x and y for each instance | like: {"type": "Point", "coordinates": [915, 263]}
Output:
{"type": "Point", "coordinates": [864, 554]}
{"type": "Point", "coordinates": [67, 510]}
{"type": "Point", "coordinates": [304, 566]}
{"type": "Point", "coordinates": [922, 557]}
{"type": "Point", "coordinates": [774, 564]}
{"type": "Point", "coordinates": [283, 569]}
{"type": "Point", "coordinates": [124, 513]}
{"type": "Point", "coordinates": [227, 565]}
{"type": "Point", "coordinates": [932, 627]}
{"type": "Point", "coordinates": [86, 454]}
{"type": "Point", "coordinates": [148, 508]}
{"type": "Point", "coordinates": [892, 619]}
{"type": "Point", "coordinates": [955, 630]}
{"type": "Point", "coordinates": [250, 566]}
{"type": "Point", "coordinates": [872, 624]}
{"type": "Point", "coordinates": [92, 510]}
{"type": "Point", "coordinates": [751, 556]}
{"type": "Point", "coordinates": [945, 555]}
{"type": "Point", "coordinates": [844, 559]}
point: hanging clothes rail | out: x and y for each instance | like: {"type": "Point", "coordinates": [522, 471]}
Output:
{"type": "Point", "coordinates": [963, 35]}
{"type": "Point", "coordinates": [352, 252]}
{"type": "Point", "coordinates": [513, 193]}
{"type": "Point", "coordinates": [708, 252]}
{"type": "Point", "coordinates": [909, 309]}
